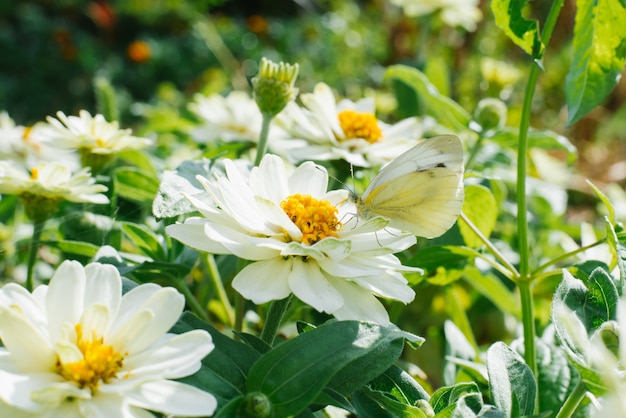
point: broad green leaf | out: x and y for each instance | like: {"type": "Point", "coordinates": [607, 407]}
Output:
{"type": "Point", "coordinates": [135, 184]}
{"type": "Point", "coordinates": [511, 382]}
{"type": "Point", "coordinates": [457, 346]}
{"type": "Point", "coordinates": [617, 244]}
{"type": "Point", "coordinates": [447, 112]}
{"type": "Point", "coordinates": [448, 396]}
{"type": "Point", "coordinates": [450, 257]}
{"type": "Point", "coordinates": [224, 369]}
{"type": "Point", "coordinates": [145, 240]}
{"type": "Point", "coordinates": [74, 247]}
{"type": "Point", "coordinates": [599, 50]}
{"type": "Point", "coordinates": [169, 201]}
{"type": "Point", "coordinates": [468, 406]}
{"type": "Point", "coordinates": [140, 159]}
{"type": "Point", "coordinates": [294, 373]}
{"type": "Point", "coordinates": [523, 32]}
{"type": "Point", "coordinates": [399, 384]}
{"type": "Point", "coordinates": [479, 206]}
{"type": "Point", "coordinates": [491, 287]}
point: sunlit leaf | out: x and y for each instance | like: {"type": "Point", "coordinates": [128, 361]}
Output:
{"type": "Point", "coordinates": [480, 208]}
{"type": "Point", "coordinates": [599, 50]}
{"type": "Point", "coordinates": [523, 32]}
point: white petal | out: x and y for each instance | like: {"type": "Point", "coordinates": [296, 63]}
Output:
{"type": "Point", "coordinates": [66, 292]}
{"type": "Point", "coordinates": [175, 398]}
{"type": "Point", "coordinates": [107, 406]}
{"type": "Point", "coordinates": [263, 281]}
{"type": "Point", "coordinates": [309, 178]}
{"type": "Point", "coordinates": [269, 180]}
{"type": "Point", "coordinates": [166, 305]}
{"type": "Point", "coordinates": [359, 304]}
{"type": "Point", "coordinates": [30, 350]}
{"type": "Point", "coordinates": [310, 286]}
{"type": "Point", "coordinates": [180, 356]}
{"type": "Point", "coordinates": [29, 305]}
{"type": "Point", "coordinates": [192, 234]}
{"type": "Point", "coordinates": [104, 285]}
{"type": "Point", "coordinates": [391, 285]}
{"type": "Point", "coordinates": [15, 389]}
{"type": "Point", "coordinates": [243, 245]}
{"type": "Point", "coordinates": [130, 329]}
{"type": "Point", "coordinates": [95, 321]}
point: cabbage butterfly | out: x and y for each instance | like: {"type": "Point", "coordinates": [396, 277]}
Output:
{"type": "Point", "coordinates": [421, 191]}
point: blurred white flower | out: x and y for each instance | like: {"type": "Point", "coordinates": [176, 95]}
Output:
{"type": "Point", "coordinates": [300, 238]}
{"type": "Point", "coordinates": [235, 117]}
{"type": "Point", "coordinates": [327, 130]}
{"type": "Point", "coordinates": [611, 369]}
{"type": "Point", "coordinates": [23, 145]}
{"type": "Point", "coordinates": [464, 13]}
{"type": "Point", "coordinates": [78, 348]}
{"type": "Point", "coordinates": [51, 180]}
{"type": "Point", "coordinates": [92, 133]}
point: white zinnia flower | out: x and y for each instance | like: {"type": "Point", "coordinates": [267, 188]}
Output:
{"type": "Point", "coordinates": [291, 228]}
{"type": "Point", "coordinates": [92, 133]}
{"type": "Point", "coordinates": [78, 348]}
{"type": "Point", "coordinates": [50, 181]}
{"type": "Point", "coordinates": [23, 145]}
{"type": "Point", "coordinates": [464, 13]}
{"type": "Point", "coordinates": [327, 130]}
{"type": "Point", "coordinates": [235, 117]}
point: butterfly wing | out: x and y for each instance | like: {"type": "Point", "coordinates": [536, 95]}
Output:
{"type": "Point", "coordinates": [422, 190]}
{"type": "Point", "coordinates": [439, 151]}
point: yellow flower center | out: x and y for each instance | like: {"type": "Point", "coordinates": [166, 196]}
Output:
{"type": "Point", "coordinates": [100, 362]}
{"type": "Point", "coordinates": [316, 219]}
{"type": "Point", "coordinates": [34, 173]}
{"type": "Point", "coordinates": [359, 125]}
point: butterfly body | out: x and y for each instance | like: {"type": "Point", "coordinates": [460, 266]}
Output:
{"type": "Point", "coordinates": [421, 191]}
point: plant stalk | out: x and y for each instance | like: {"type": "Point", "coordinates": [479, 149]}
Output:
{"type": "Point", "coordinates": [32, 254]}
{"type": "Point", "coordinates": [262, 146]}
{"type": "Point", "coordinates": [573, 400]}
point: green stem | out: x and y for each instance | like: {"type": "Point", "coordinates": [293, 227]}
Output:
{"type": "Point", "coordinates": [274, 317]}
{"type": "Point", "coordinates": [265, 129]}
{"type": "Point", "coordinates": [474, 151]}
{"type": "Point", "coordinates": [565, 256]}
{"type": "Point", "coordinates": [510, 267]}
{"type": "Point", "coordinates": [32, 255]}
{"type": "Point", "coordinates": [239, 312]}
{"type": "Point", "coordinates": [573, 400]}
{"type": "Point", "coordinates": [216, 279]}
{"type": "Point", "coordinates": [191, 300]}
{"type": "Point", "coordinates": [528, 322]}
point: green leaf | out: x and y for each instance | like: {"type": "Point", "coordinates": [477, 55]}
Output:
{"type": "Point", "coordinates": [146, 240]}
{"type": "Point", "coordinates": [599, 51]}
{"type": "Point", "coordinates": [447, 396]}
{"type": "Point", "coordinates": [74, 247]}
{"type": "Point", "coordinates": [140, 159]}
{"type": "Point", "coordinates": [399, 384]}
{"type": "Point", "coordinates": [490, 286]}
{"type": "Point", "coordinates": [508, 138]}
{"type": "Point", "coordinates": [523, 32]}
{"type": "Point", "coordinates": [294, 373]}
{"type": "Point", "coordinates": [135, 184]}
{"type": "Point", "coordinates": [511, 382]}
{"type": "Point", "coordinates": [605, 201]}
{"type": "Point", "coordinates": [451, 257]}
{"type": "Point", "coordinates": [557, 377]}
{"type": "Point", "coordinates": [480, 207]}
{"type": "Point", "coordinates": [393, 406]}
{"type": "Point", "coordinates": [170, 201]}
{"type": "Point", "coordinates": [457, 346]}
{"type": "Point", "coordinates": [224, 369]}
{"type": "Point", "coordinates": [447, 112]}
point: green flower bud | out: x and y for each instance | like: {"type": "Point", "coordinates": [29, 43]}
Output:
{"type": "Point", "coordinates": [273, 87]}
{"type": "Point", "coordinates": [490, 114]}
{"type": "Point", "coordinates": [256, 405]}
{"type": "Point", "coordinates": [97, 162]}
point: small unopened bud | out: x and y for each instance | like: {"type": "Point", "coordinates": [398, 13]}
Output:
{"type": "Point", "coordinates": [256, 405]}
{"type": "Point", "coordinates": [273, 87]}
{"type": "Point", "coordinates": [39, 208]}
{"type": "Point", "coordinates": [490, 114]}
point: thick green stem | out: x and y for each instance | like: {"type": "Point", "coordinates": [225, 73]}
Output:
{"type": "Point", "coordinates": [573, 400]}
{"type": "Point", "coordinates": [32, 255]}
{"type": "Point", "coordinates": [528, 322]}
{"type": "Point", "coordinates": [274, 317]}
{"type": "Point", "coordinates": [262, 146]}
